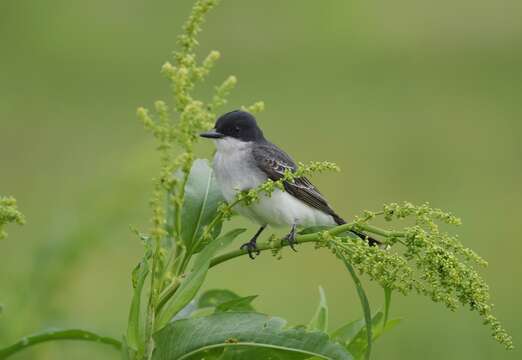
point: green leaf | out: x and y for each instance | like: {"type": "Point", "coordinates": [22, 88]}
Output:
{"type": "Point", "coordinates": [139, 274]}
{"type": "Point", "coordinates": [247, 352]}
{"type": "Point", "coordinates": [187, 311]}
{"type": "Point", "coordinates": [258, 336]}
{"type": "Point", "coordinates": [347, 332]}
{"type": "Point", "coordinates": [193, 281]}
{"type": "Point", "coordinates": [225, 300]}
{"type": "Point", "coordinates": [320, 319]}
{"type": "Point", "coordinates": [240, 304]}
{"type": "Point", "coordinates": [365, 305]}
{"type": "Point", "coordinates": [214, 297]}
{"type": "Point", "coordinates": [204, 257]}
{"type": "Point", "coordinates": [127, 353]}
{"type": "Point", "coordinates": [353, 335]}
{"type": "Point", "coordinates": [201, 201]}
{"type": "Point", "coordinates": [211, 300]}
{"type": "Point", "coordinates": [359, 344]}
{"type": "Point", "coordinates": [203, 312]}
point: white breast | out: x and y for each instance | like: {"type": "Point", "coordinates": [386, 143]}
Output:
{"type": "Point", "coordinates": [234, 167]}
{"type": "Point", "coordinates": [236, 171]}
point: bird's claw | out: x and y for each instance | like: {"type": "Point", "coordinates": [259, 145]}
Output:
{"type": "Point", "coordinates": [251, 248]}
{"type": "Point", "coordinates": [290, 239]}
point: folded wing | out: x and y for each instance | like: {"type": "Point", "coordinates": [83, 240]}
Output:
{"type": "Point", "coordinates": [274, 162]}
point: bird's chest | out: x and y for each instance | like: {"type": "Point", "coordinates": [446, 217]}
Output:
{"type": "Point", "coordinates": [235, 171]}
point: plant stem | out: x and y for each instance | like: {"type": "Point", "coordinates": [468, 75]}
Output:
{"type": "Point", "coordinates": [261, 247]}
{"type": "Point", "coordinates": [300, 239]}
{"type": "Point", "coordinates": [365, 305]}
{"type": "Point", "coordinates": [379, 231]}
{"type": "Point", "coordinates": [387, 303]}
{"type": "Point", "coordinates": [52, 335]}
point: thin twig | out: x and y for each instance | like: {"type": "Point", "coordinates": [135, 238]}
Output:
{"type": "Point", "coordinates": [300, 239]}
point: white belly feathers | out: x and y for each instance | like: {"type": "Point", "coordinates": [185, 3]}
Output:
{"type": "Point", "coordinates": [236, 171]}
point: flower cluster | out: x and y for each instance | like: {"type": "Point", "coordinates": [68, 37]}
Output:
{"type": "Point", "coordinates": [176, 128]}
{"type": "Point", "coordinates": [424, 259]}
{"type": "Point", "coordinates": [9, 214]}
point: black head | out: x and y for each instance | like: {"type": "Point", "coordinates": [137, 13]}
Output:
{"type": "Point", "coordinates": [236, 124]}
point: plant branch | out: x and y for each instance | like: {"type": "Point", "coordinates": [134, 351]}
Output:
{"type": "Point", "coordinates": [301, 239]}
{"type": "Point", "coordinates": [52, 335]}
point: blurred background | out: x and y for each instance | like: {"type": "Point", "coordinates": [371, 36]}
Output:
{"type": "Point", "coordinates": [415, 100]}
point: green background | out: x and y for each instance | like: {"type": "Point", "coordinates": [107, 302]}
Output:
{"type": "Point", "coordinates": [415, 100]}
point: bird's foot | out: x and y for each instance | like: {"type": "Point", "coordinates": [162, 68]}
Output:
{"type": "Point", "coordinates": [251, 248]}
{"type": "Point", "coordinates": [290, 238]}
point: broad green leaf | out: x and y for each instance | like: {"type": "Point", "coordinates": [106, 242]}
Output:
{"type": "Point", "coordinates": [204, 257]}
{"type": "Point", "coordinates": [248, 352]}
{"type": "Point", "coordinates": [193, 281]}
{"type": "Point", "coordinates": [240, 304]}
{"type": "Point", "coordinates": [255, 334]}
{"type": "Point", "coordinates": [320, 319]}
{"type": "Point", "coordinates": [203, 312]}
{"type": "Point", "coordinates": [214, 297]}
{"type": "Point", "coordinates": [201, 201]}
{"type": "Point", "coordinates": [187, 311]}
{"type": "Point", "coordinates": [225, 300]}
{"type": "Point", "coordinates": [208, 302]}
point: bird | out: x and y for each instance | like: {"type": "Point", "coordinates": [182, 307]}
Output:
{"type": "Point", "coordinates": [245, 159]}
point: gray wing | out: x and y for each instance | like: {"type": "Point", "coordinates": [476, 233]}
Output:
{"type": "Point", "coordinates": [274, 162]}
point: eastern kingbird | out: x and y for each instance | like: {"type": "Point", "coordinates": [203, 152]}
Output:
{"type": "Point", "coordinates": [245, 159]}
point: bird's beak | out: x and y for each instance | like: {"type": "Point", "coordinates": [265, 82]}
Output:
{"type": "Point", "coordinates": [212, 134]}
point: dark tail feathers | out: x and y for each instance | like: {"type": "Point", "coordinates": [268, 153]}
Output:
{"type": "Point", "coordinates": [371, 241]}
